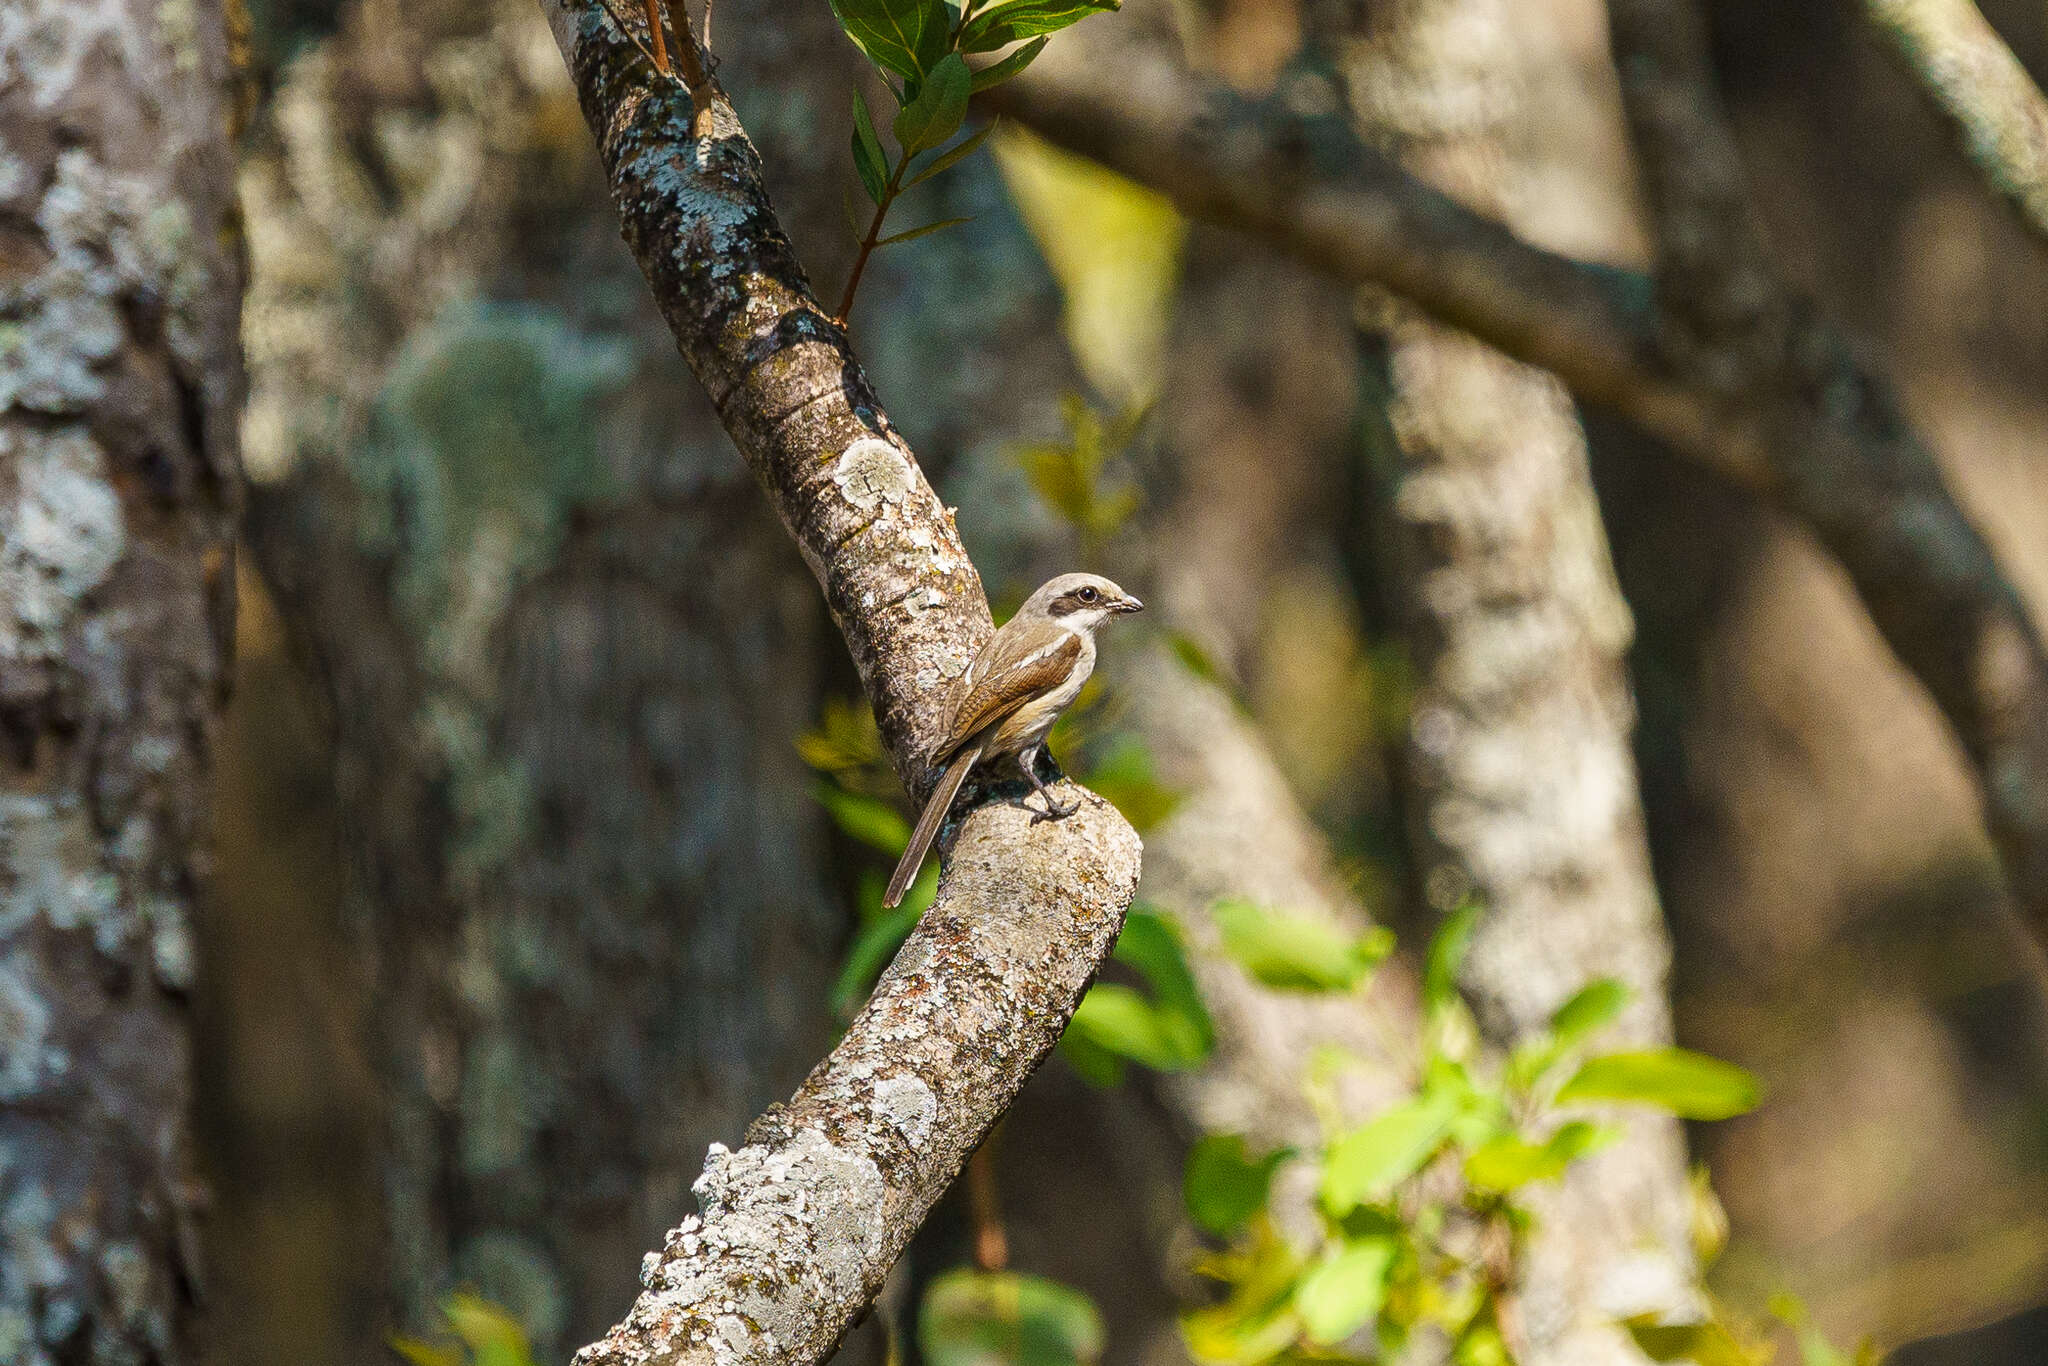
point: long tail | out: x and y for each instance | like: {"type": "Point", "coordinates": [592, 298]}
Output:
{"type": "Point", "coordinates": [928, 824]}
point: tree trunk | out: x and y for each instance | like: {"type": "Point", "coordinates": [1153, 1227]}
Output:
{"type": "Point", "coordinates": [567, 652]}
{"type": "Point", "coordinates": [1523, 785]}
{"type": "Point", "coordinates": [120, 384]}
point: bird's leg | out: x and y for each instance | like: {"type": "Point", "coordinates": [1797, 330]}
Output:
{"type": "Point", "coordinates": [1054, 811]}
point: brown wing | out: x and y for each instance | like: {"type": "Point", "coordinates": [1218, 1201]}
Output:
{"type": "Point", "coordinates": [1012, 670]}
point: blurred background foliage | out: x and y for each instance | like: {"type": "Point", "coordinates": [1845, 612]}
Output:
{"type": "Point", "coordinates": [440, 303]}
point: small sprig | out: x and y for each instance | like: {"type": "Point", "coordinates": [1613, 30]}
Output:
{"type": "Point", "coordinates": [920, 47]}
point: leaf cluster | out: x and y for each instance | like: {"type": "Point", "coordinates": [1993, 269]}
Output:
{"type": "Point", "coordinates": [1419, 1206]}
{"type": "Point", "coordinates": [920, 47]}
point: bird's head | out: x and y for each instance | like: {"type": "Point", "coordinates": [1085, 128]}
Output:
{"type": "Point", "coordinates": [1081, 601]}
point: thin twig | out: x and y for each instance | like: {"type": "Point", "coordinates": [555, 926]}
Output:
{"type": "Point", "coordinates": [694, 78]}
{"type": "Point", "coordinates": [654, 35]}
{"type": "Point", "coordinates": [626, 31]}
{"type": "Point", "coordinates": [874, 233]}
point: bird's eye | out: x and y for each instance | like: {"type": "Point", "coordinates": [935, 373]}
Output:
{"type": "Point", "coordinates": [1087, 594]}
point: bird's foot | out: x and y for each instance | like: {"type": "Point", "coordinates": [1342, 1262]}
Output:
{"type": "Point", "coordinates": [1054, 811]}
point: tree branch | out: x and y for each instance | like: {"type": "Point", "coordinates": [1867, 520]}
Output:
{"type": "Point", "coordinates": [799, 1226]}
{"type": "Point", "coordinates": [1716, 358]}
{"type": "Point", "coordinates": [1999, 114]}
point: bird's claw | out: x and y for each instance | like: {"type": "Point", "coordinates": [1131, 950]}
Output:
{"type": "Point", "coordinates": [1054, 811]}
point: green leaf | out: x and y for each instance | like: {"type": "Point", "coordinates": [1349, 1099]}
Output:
{"type": "Point", "coordinates": [925, 231]}
{"type": "Point", "coordinates": [1151, 946]}
{"type": "Point", "coordinates": [1170, 1032]}
{"type": "Point", "coordinates": [1124, 775]}
{"type": "Point", "coordinates": [1702, 1344]}
{"type": "Point", "coordinates": [493, 1336]}
{"type": "Point", "coordinates": [1005, 24]}
{"type": "Point", "coordinates": [426, 1353]}
{"type": "Point", "coordinates": [870, 820]}
{"type": "Point", "coordinates": [1256, 1322]}
{"type": "Point", "coordinates": [1595, 1004]}
{"type": "Point", "coordinates": [1509, 1161]}
{"type": "Point", "coordinates": [1293, 953]}
{"type": "Point", "coordinates": [1004, 1318]}
{"type": "Point", "coordinates": [1689, 1085]}
{"type": "Point", "coordinates": [1119, 1019]}
{"type": "Point", "coordinates": [1344, 1292]}
{"type": "Point", "coordinates": [1224, 1185]}
{"type": "Point", "coordinates": [907, 37]}
{"type": "Point", "coordinates": [1366, 1164]}
{"type": "Point", "coordinates": [868, 158]}
{"type": "Point", "coordinates": [1447, 955]}
{"type": "Point", "coordinates": [881, 934]}
{"type": "Point", "coordinates": [995, 73]}
{"type": "Point", "coordinates": [953, 155]}
{"type": "Point", "coordinates": [936, 112]}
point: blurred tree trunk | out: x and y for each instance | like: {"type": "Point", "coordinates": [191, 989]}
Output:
{"type": "Point", "coordinates": [120, 382]}
{"type": "Point", "coordinates": [566, 647]}
{"type": "Point", "coordinates": [1523, 790]}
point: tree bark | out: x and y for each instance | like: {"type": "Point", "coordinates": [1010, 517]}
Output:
{"type": "Point", "coordinates": [567, 653]}
{"type": "Point", "coordinates": [120, 387]}
{"type": "Point", "coordinates": [1523, 785]}
{"type": "Point", "coordinates": [799, 1227]}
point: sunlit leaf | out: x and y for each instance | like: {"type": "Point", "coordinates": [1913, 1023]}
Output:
{"type": "Point", "coordinates": [1594, 1005]}
{"type": "Point", "coordinates": [1344, 1292]}
{"type": "Point", "coordinates": [1702, 1344]}
{"type": "Point", "coordinates": [1001, 25]}
{"type": "Point", "coordinates": [868, 157]}
{"type": "Point", "coordinates": [1256, 1322]}
{"type": "Point", "coordinates": [494, 1337]}
{"type": "Point", "coordinates": [907, 37]}
{"type": "Point", "coordinates": [1225, 1185]}
{"type": "Point", "coordinates": [936, 112]}
{"type": "Point", "coordinates": [1294, 953]}
{"type": "Point", "coordinates": [1004, 1318]}
{"type": "Point", "coordinates": [1509, 1162]}
{"type": "Point", "coordinates": [1689, 1085]}
{"type": "Point", "coordinates": [995, 73]}
{"type": "Point", "coordinates": [1367, 1163]}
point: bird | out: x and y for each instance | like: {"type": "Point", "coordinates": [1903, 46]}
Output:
{"type": "Point", "coordinates": [1012, 694]}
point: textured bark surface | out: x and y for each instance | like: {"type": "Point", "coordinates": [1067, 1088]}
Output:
{"type": "Point", "coordinates": [120, 383]}
{"type": "Point", "coordinates": [799, 1226]}
{"type": "Point", "coordinates": [566, 652]}
{"type": "Point", "coordinates": [1716, 358]}
{"type": "Point", "coordinates": [2000, 115]}
{"type": "Point", "coordinates": [1523, 785]}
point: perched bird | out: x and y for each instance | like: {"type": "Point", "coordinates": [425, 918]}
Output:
{"type": "Point", "coordinates": [1011, 695]}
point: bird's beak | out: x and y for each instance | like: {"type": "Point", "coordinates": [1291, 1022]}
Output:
{"type": "Point", "coordinates": [1130, 605]}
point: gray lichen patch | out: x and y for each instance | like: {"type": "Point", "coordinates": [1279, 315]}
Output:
{"type": "Point", "coordinates": [872, 472]}
{"type": "Point", "coordinates": [60, 537]}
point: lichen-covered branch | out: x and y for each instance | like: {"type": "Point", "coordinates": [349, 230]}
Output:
{"type": "Point", "coordinates": [800, 1225]}
{"type": "Point", "coordinates": [2000, 115]}
{"type": "Point", "coordinates": [1777, 402]}
{"type": "Point", "coordinates": [120, 389]}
